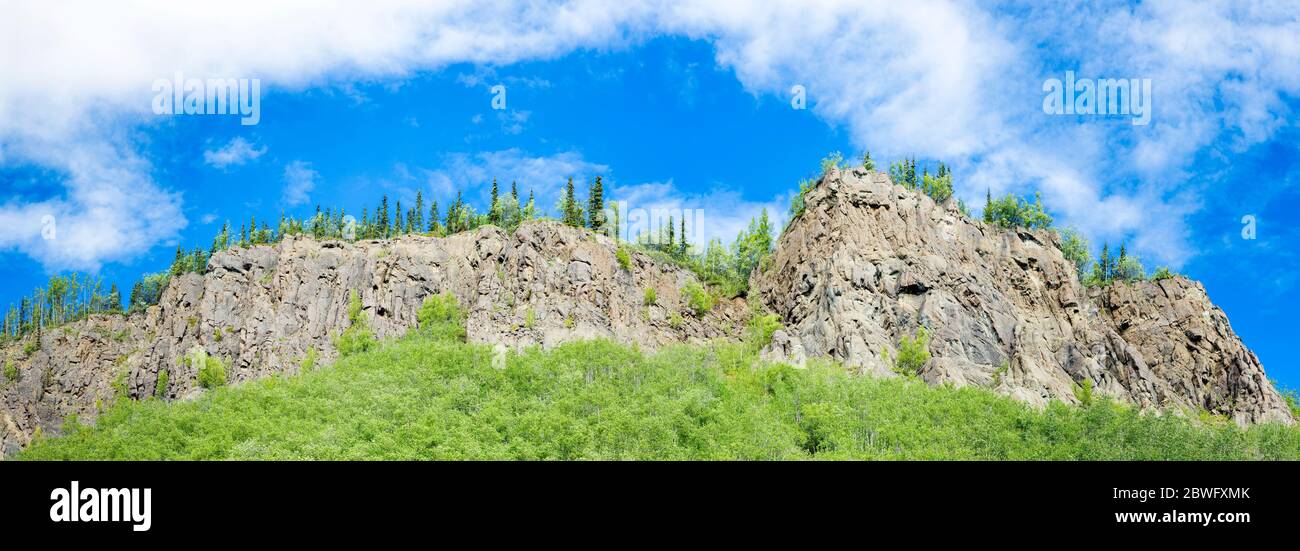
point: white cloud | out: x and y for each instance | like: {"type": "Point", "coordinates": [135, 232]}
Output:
{"type": "Point", "coordinates": [299, 181]}
{"type": "Point", "coordinates": [236, 152]}
{"type": "Point", "coordinates": [111, 210]}
{"type": "Point", "coordinates": [953, 80]}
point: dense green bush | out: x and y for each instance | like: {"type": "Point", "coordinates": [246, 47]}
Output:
{"type": "Point", "coordinates": [624, 258]}
{"type": "Point", "coordinates": [212, 373]}
{"type": "Point", "coordinates": [420, 398]}
{"type": "Point", "coordinates": [160, 388]}
{"type": "Point", "coordinates": [759, 330]}
{"type": "Point", "coordinates": [11, 372]}
{"type": "Point", "coordinates": [1075, 249]}
{"type": "Point", "coordinates": [357, 337]}
{"type": "Point", "coordinates": [1015, 212]}
{"type": "Point", "coordinates": [441, 317]}
{"type": "Point", "coordinates": [698, 298]}
{"type": "Point", "coordinates": [650, 297]}
{"type": "Point", "coordinates": [913, 353]}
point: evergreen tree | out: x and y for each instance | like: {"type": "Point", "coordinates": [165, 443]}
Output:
{"type": "Point", "coordinates": [381, 218]}
{"type": "Point", "coordinates": [596, 206]}
{"type": "Point", "coordinates": [433, 217]}
{"type": "Point", "coordinates": [1105, 264]}
{"type": "Point", "coordinates": [494, 207]}
{"type": "Point", "coordinates": [867, 163]}
{"type": "Point", "coordinates": [417, 221]}
{"type": "Point", "coordinates": [530, 209]}
{"type": "Point", "coordinates": [397, 223]}
{"type": "Point", "coordinates": [672, 236]}
{"type": "Point", "coordinates": [569, 206]}
{"type": "Point", "coordinates": [178, 264]}
{"type": "Point", "coordinates": [683, 246]}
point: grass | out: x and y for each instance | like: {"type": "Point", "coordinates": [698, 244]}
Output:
{"type": "Point", "coordinates": [431, 396]}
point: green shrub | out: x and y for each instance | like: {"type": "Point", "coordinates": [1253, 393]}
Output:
{"type": "Point", "coordinates": [309, 361]}
{"type": "Point", "coordinates": [442, 318]}
{"type": "Point", "coordinates": [675, 320]}
{"type": "Point", "coordinates": [212, 372]}
{"type": "Point", "coordinates": [758, 333]}
{"type": "Point", "coordinates": [530, 318]}
{"type": "Point", "coordinates": [937, 187]}
{"type": "Point", "coordinates": [357, 337]}
{"type": "Point", "coordinates": [913, 353]}
{"type": "Point", "coordinates": [31, 347]}
{"type": "Point", "coordinates": [624, 258]}
{"type": "Point", "coordinates": [160, 389]}
{"type": "Point", "coordinates": [832, 161]}
{"type": "Point", "coordinates": [11, 371]}
{"type": "Point", "coordinates": [650, 296]}
{"type": "Point", "coordinates": [1015, 212]}
{"type": "Point", "coordinates": [698, 298]}
{"type": "Point", "coordinates": [1075, 249]}
{"type": "Point", "coordinates": [436, 400]}
{"type": "Point", "coordinates": [1162, 273]}
{"type": "Point", "coordinates": [119, 384]}
{"type": "Point", "coordinates": [1129, 268]}
{"type": "Point", "coordinates": [1083, 392]}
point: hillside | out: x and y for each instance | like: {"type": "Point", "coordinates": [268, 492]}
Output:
{"type": "Point", "coordinates": [425, 397]}
{"type": "Point", "coordinates": [864, 266]}
{"type": "Point", "coordinates": [869, 262]}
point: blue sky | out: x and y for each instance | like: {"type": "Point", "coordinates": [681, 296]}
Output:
{"type": "Point", "coordinates": [675, 104]}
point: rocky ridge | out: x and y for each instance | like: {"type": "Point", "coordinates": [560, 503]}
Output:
{"type": "Point", "coordinates": [870, 261]}
{"type": "Point", "coordinates": [863, 266]}
{"type": "Point", "coordinates": [261, 309]}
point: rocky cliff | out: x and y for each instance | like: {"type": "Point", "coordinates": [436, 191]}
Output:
{"type": "Point", "coordinates": [261, 309]}
{"type": "Point", "coordinates": [869, 261]}
{"type": "Point", "coordinates": [865, 264]}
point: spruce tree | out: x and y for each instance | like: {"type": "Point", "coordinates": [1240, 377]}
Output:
{"type": "Point", "coordinates": [494, 208]}
{"type": "Point", "coordinates": [596, 206]}
{"type": "Point", "coordinates": [684, 247]}
{"type": "Point", "coordinates": [572, 214]}
{"type": "Point", "coordinates": [418, 220]}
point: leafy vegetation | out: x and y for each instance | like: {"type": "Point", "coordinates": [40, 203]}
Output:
{"type": "Point", "coordinates": [441, 318]}
{"type": "Point", "coordinates": [212, 373]}
{"type": "Point", "coordinates": [759, 330]}
{"type": "Point", "coordinates": [11, 372]}
{"type": "Point", "coordinates": [1016, 212]}
{"type": "Point", "coordinates": [431, 397]}
{"type": "Point", "coordinates": [698, 298]}
{"type": "Point", "coordinates": [624, 258]}
{"type": "Point", "coordinates": [913, 353]}
{"type": "Point", "coordinates": [357, 337]}
{"type": "Point", "coordinates": [160, 388]}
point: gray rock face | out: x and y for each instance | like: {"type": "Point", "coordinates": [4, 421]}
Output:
{"type": "Point", "coordinates": [863, 266]}
{"type": "Point", "coordinates": [261, 309]}
{"type": "Point", "coordinates": [869, 261]}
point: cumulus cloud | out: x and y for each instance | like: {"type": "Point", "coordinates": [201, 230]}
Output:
{"type": "Point", "coordinates": [299, 181]}
{"type": "Point", "coordinates": [236, 152]}
{"type": "Point", "coordinates": [939, 79]}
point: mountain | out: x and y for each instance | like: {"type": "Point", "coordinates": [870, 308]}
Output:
{"type": "Point", "coordinates": [869, 261]}
{"type": "Point", "coordinates": [865, 264]}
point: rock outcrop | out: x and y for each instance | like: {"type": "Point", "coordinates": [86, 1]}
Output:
{"type": "Point", "coordinates": [868, 262]}
{"type": "Point", "coordinates": [261, 309]}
